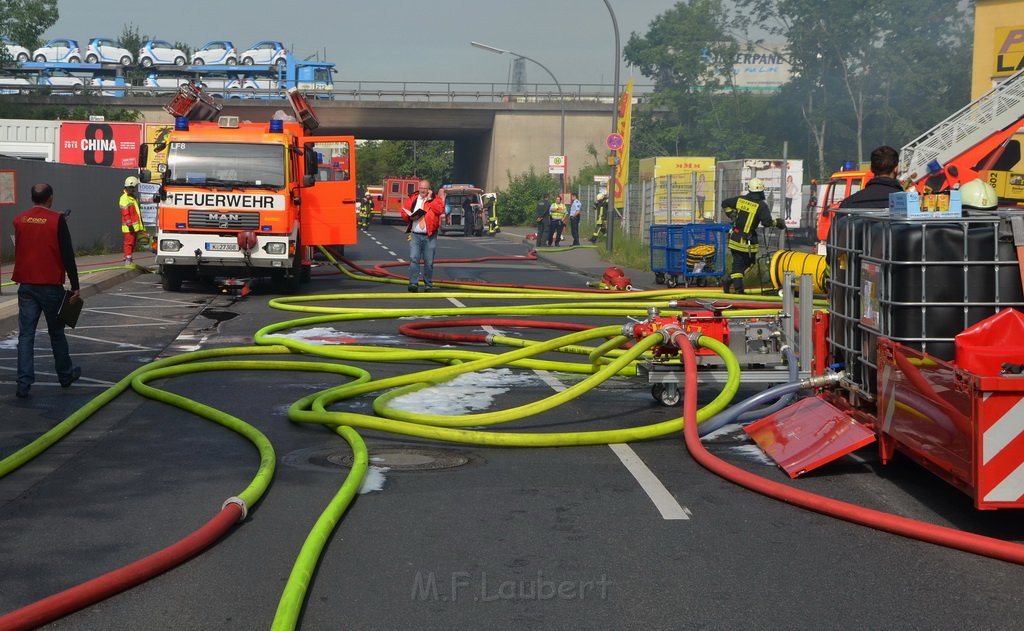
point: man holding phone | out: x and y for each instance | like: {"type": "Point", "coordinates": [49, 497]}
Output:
{"type": "Point", "coordinates": [422, 212]}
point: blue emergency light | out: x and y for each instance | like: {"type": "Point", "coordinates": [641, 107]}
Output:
{"type": "Point", "coordinates": [934, 166]}
{"type": "Point", "coordinates": [276, 126]}
{"type": "Point", "coordinates": [849, 166]}
{"type": "Point", "coordinates": [180, 124]}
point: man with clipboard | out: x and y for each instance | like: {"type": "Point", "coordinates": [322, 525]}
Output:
{"type": "Point", "coordinates": [422, 212]}
{"type": "Point", "coordinates": [43, 256]}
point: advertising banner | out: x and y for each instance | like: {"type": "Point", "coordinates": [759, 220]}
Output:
{"type": "Point", "coordinates": [1009, 50]}
{"type": "Point", "coordinates": [100, 143]}
{"type": "Point", "coordinates": [157, 136]}
{"type": "Point", "coordinates": [683, 188]}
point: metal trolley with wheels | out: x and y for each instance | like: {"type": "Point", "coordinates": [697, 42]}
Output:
{"type": "Point", "coordinates": [694, 253]}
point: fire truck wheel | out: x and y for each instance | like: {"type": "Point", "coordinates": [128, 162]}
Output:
{"type": "Point", "coordinates": [290, 284]}
{"type": "Point", "coordinates": [666, 393]}
{"type": "Point", "coordinates": [170, 278]}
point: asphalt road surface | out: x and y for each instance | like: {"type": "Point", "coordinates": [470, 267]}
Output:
{"type": "Point", "coordinates": [446, 535]}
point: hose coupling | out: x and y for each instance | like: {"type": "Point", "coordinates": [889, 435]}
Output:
{"type": "Point", "coordinates": [672, 332]}
{"type": "Point", "coordinates": [823, 381]}
{"type": "Point", "coordinates": [629, 331]}
{"type": "Point", "coordinates": [489, 339]}
{"type": "Point", "coordinates": [241, 504]}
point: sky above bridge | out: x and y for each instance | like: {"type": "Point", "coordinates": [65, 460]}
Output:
{"type": "Point", "coordinates": [393, 40]}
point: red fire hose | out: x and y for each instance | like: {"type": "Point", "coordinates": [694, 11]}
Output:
{"type": "Point", "coordinates": [70, 600]}
{"type": "Point", "coordinates": [415, 329]}
{"type": "Point", "coordinates": [906, 527]}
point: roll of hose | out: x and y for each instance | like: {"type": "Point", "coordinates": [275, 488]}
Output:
{"type": "Point", "coordinates": [800, 263]}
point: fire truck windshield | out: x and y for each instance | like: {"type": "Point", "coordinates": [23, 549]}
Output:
{"type": "Point", "coordinates": [226, 165]}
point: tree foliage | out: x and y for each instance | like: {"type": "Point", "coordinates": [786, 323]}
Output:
{"type": "Point", "coordinates": [131, 38]}
{"type": "Point", "coordinates": [862, 76]}
{"type": "Point", "coordinates": [25, 20]}
{"type": "Point", "coordinates": [430, 159]}
{"type": "Point", "coordinates": [516, 203]}
{"type": "Point", "coordinates": [688, 53]}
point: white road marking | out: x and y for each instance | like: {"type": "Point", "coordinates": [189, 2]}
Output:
{"type": "Point", "coordinates": [663, 500]}
{"type": "Point", "coordinates": [660, 496]}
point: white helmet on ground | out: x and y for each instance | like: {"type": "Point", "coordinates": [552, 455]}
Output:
{"type": "Point", "coordinates": [755, 185]}
{"type": "Point", "coordinates": [979, 194]}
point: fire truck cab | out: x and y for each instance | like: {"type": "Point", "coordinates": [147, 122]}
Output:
{"type": "Point", "coordinates": [840, 185]}
{"type": "Point", "coordinates": [242, 200]}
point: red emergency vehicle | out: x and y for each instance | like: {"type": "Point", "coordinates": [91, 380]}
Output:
{"type": "Point", "coordinates": [396, 189]}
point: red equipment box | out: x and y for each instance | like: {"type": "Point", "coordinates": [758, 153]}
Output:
{"type": "Point", "coordinates": [965, 427]}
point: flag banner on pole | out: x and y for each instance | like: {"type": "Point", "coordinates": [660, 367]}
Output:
{"type": "Point", "coordinates": [622, 168]}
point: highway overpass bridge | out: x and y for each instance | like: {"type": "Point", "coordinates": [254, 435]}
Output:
{"type": "Point", "coordinates": [494, 133]}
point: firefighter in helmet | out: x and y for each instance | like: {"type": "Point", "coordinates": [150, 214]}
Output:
{"type": "Point", "coordinates": [491, 214]}
{"type": "Point", "coordinates": [746, 212]}
{"type": "Point", "coordinates": [365, 210]}
{"type": "Point", "coordinates": [601, 208]}
{"type": "Point", "coordinates": [131, 216]}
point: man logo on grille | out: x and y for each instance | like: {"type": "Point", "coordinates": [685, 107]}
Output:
{"type": "Point", "coordinates": [223, 220]}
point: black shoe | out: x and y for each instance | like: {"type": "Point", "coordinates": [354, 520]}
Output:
{"type": "Point", "coordinates": [21, 393]}
{"type": "Point", "coordinates": [413, 288]}
{"type": "Point", "coordinates": [428, 288]}
{"type": "Point", "coordinates": [76, 372]}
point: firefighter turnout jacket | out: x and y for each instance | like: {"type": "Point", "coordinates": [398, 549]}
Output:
{"type": "Point", "coordinates": [746, 212]}
{"type": "Point", "coordinates": [131, 215]}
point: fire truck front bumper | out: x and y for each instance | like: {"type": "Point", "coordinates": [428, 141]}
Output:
{"type": "Point", "coordinates": [268, 251]}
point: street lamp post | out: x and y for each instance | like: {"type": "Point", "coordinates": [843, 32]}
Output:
{"type": "Point", "coordinates": [610, 219]}
{"type": "Point", "coordinates": [561, 96]}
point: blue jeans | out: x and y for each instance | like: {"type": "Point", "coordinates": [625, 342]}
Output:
{"type": "Point", "coordinates": [422, 246]}
{"type": "Point", "coordinates": [33, 301]}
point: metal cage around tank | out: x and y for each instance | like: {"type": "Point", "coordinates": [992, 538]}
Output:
{"type": "Point", "coordinates": [918, 283]}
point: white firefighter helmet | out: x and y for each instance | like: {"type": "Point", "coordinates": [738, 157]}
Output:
{"type": "Point", "coordinates": [755, 185]}
{"type": "Point", "coordinates": [602, 196]}
{"type": "Point", "coordinates": [979, 194]}
{"type": "Point", "coordinates": [131, 181]}
{"type": "Point", "coordinates": [489, 195]}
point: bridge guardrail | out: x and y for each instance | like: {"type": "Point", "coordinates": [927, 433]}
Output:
{"type": "Point", "coordinates": [380, 91]}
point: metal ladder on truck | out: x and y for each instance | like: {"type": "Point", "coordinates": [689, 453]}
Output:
{"type": "Point", "coordinates": [948, 153]}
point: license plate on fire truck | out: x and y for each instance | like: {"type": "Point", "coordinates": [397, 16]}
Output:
{"type": "Point", "coordinates": [221, 247]}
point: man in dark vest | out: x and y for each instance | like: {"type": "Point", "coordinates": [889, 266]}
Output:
{"type": "Point", "coordinates": [43, 255]}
